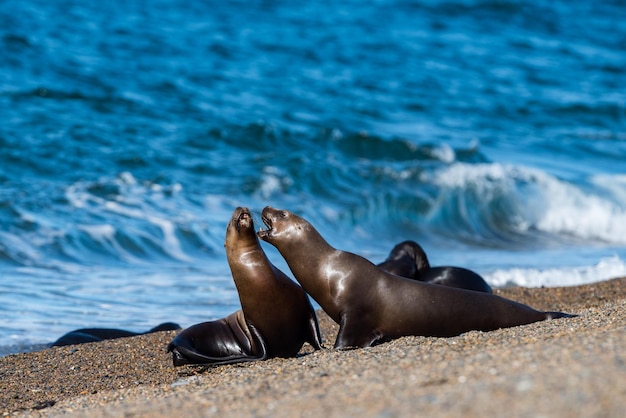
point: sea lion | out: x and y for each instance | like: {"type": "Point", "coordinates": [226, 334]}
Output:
{"type": "Point", "coordinates": [408, 259]}
{"type": "Point", "coordinates": [90, 335]}
{"type": "Point", "coordinates": [372, 306]}
{"type": "Point", "coordinates": [273, 304]}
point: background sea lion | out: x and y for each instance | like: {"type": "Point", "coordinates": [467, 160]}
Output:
{"type": "Point", "coordinates": [273, 304]}
{"type": "Point", "coordinates": [90, 335]}
{"type": "Point", "coordinates": [372, 306]}
{"type": "Point", "coordinates": [408, 259]}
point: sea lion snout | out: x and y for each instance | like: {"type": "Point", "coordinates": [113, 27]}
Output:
{"type": "Point", "coordinates": [267, 218]}
{"type": "Point", "coordinates": [245, 214]}
{"type": "Point", "coordinates": [242, 219]}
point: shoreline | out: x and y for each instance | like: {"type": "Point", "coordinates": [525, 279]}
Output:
{"type": "Point", "coordinates": [564, 367]}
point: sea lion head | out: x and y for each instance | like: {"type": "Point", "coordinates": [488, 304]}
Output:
{"type": "Point", "coordinates": [241, 226]}
{"type": "Point", "coordinates": [281, 225]}
{"type": "Point", "coordinates": [412, 251]}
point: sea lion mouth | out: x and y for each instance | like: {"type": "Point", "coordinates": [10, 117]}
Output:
{"type": "Point", "coordinates": [245, 215]}
{"type": "Point", "coordinates": [265, 234]}
{"type": "Point", "coordinates": [242, 219]}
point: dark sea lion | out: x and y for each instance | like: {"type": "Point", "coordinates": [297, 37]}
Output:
{"type": "Point", "coordinates": [408, 259]}
{"type": "Point", "coordinates": [90, 335]}
{"type": "Point", "coordinates": [273, 304]}
{"type": "Point", "coordinates": [372, 306]}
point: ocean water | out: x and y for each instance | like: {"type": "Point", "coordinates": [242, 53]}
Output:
{"type": "Point", "coordinates": [492, 132]}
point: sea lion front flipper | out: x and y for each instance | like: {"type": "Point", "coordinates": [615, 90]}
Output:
{"type": "Point", "coordinates": [184, 354]}
{"type": "Point", "coordinates": [315, 336]}
{"type": "Point", "coordinates": [262, 353]}
{"type": "Point", "coordinates": [225, 341]}
{"type": "Point", "coordinates": [355, 333]}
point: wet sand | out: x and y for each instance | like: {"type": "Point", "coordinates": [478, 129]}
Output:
{"type": "Point", "coordinates": [556, 368]}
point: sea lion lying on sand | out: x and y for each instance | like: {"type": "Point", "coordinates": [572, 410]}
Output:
{"type": "Point", "coordinates": [90, 335]}
{"type": "Point", "coordinates": [408, 259]}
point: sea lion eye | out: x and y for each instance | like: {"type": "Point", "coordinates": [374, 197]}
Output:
{"type": "Point", "coordinates": [284, 214]}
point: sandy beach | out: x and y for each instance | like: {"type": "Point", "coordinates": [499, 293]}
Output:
{"type": "Point", "coordinates": [556, 368]}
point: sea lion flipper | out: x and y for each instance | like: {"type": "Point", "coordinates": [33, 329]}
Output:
{"type": "Point", "coordinates": [355, 333]}
{"type": "Point", "coordinates": [315, 336]}
{"type": "Point", "coordinates": [262, 353]}
{"type": "Point", "coordinates": [556, 315]}
{"type": "Point", "coordinates": [184, 355]}
{"type": "Point", "coordinates": [228, 340]}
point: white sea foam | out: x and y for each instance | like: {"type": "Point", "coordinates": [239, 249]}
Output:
{"type": "Point", "coordinates": [542, 202]}
{"type": "Point", "coordinates": [99, 232]}
{"type": "Point", "coordinates": [20, 250]}
{"type": "Point", "coordinates": [606, 268]}
{"type": "Point", "coordinates": [141, 202]}
{"type": "Point", "coordinates": [172, 244]}
{"type": "Point", "coordinates": [272, 182]}
{"type": "Point", "coordinates": [444, 153]}
{"type": "Point", "coordinates": [614, 184]}
{"type": "Point", "coordinates": [105, 236]}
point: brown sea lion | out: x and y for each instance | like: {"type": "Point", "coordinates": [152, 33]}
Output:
{"type": "Point", "coordinates": [273, 304]}
{"type": "Point", "coordinates": [372, 306]}
{"type": "Point", "coordinates": [408, 259]}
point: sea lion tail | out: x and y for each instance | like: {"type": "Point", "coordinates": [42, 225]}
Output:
{"type": "Point", "coordinates": [556, 315]}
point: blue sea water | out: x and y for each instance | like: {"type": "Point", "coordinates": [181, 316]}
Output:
{"type": "Point", "coordinates": [493, 132]}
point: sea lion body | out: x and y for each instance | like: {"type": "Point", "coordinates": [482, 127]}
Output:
{"type": "Point", "coordinates": [408, 259]}
{"type": "Point", "coordinates": [372, 306]}
{"type": "Point", "coordinates": [271, 303]}
{"type": "Point", "coordinates": [458, 277]}
{"type": "Point", "coordinates": [276, 305]}
{"type": "Point", "coordinates": [90, 335]}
